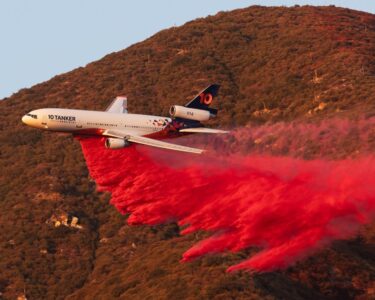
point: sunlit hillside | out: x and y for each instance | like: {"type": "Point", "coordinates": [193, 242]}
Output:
{"type": "Point", "coordinates": [273, 64]}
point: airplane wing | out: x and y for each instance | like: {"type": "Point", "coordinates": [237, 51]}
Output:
{"type": "Point", "coordinates": [150, 142]}
{"type": "Point", "coordinates": [203, 130]}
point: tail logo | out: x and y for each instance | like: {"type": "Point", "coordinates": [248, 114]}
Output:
{"type": "Point", "coordinates": [205, 98]}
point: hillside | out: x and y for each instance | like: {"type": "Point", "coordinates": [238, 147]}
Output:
{"type": "Point", "coordinates": [274, 64]}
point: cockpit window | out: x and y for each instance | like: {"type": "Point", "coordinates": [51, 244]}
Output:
{"type": "Point", "coordinates": [33, 116]}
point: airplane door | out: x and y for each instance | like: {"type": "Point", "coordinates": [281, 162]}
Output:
{"type": "Point", "coordinates": [78, 124]}
{"type": "Point", "coordinates": [44, 120]}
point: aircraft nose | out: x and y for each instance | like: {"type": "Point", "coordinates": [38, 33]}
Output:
{"type": "Point", "coordinates": [24, 119]}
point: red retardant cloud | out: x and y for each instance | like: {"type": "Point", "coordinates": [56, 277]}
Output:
{"type": "Point", "coordinates": [287, 207]}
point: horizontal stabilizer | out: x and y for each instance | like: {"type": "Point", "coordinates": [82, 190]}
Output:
{"type": "Point", "coordinates": [203, 130]}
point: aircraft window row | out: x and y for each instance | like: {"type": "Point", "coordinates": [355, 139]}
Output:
{"type": "Point", "coordinates": [144, 127]}
{"type": "Point", "coordinates": [63, 121]}
{"type": "Point", "coordinates": [33, 116]}
{"type": "Point", "coordinates": [102, 124]}
{"type": "Point", "coordinates": [126, 126]}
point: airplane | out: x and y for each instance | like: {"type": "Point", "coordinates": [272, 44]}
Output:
{"type": "Point", "coordinates": [121, 128]}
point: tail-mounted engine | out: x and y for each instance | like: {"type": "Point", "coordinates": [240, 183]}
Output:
{"type": "Point", "coordinates": [113, 143]}
{"type": "Point", "coordinates": [177, 111]}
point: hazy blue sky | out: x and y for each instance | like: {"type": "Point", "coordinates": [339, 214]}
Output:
{"type": "Point", "coordinates": [43, 38]}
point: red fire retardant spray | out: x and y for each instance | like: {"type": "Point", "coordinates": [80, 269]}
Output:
{"type": "Point", "coordinates": [287, 207]}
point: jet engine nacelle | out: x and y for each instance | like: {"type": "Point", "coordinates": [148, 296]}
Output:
{"type": "Point", "coordinates": [113, 143]}
{"type": "Point", "coordinates": [183, 112]}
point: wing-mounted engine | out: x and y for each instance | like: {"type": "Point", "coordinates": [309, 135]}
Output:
{"type": "Point", "coordinates": [113, 143]}
{"type": "Point", "coordinates": [177, 111]}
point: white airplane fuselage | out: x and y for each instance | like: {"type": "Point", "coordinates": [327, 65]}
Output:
{"type": "Point", "coordinates": [94, 122]}
{"type": "Point", "coordinates": [122, 129]}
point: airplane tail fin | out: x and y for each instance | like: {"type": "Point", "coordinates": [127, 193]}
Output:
{"type": "Point", "coordinates": [118, 106]}
{"type": "Point", "coordinates": [205, 98]}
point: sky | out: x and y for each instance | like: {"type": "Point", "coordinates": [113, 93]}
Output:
{"type": "Point", "coordinates": [43, 38]}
